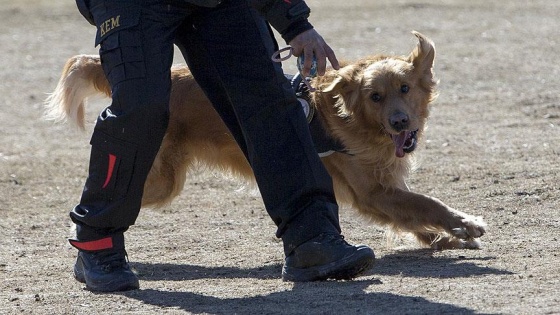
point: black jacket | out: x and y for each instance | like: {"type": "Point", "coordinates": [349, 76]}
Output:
{"type": "Point", "coordinates": [288, 17]}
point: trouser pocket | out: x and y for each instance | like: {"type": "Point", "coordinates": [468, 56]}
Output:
{"type": "Point", "coordinates": [111, 168]}
{"type": "Point", "coordinates": [111, 197]}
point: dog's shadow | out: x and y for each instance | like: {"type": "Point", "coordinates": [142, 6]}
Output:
{"type": "Point", "coordinates": [424, 263]}
{"type": "Point", "coordinates": [328, 297]}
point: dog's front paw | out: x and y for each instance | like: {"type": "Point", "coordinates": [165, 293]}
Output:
{"type": "Point", "coordinates": [471, 228]}
{"type": "Point", "coordinates": [449, 242]}
{"type": "Point", "coordinates": [459, 231]}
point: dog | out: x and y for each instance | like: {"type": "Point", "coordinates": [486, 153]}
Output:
{"type": "Point", "coordinates": [376, 108]}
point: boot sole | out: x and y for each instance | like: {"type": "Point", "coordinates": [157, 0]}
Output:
{"type": "Point", "coordinates": [344, 269]}
{"type": "Point", "coordinates": [112, 286]}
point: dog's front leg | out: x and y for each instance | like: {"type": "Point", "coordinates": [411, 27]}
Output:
{"type": "Point", "coordinates": [427, 218]}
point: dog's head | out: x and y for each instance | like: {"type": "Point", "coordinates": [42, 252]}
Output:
{"type": "Point", "coordinates": [388, 95]}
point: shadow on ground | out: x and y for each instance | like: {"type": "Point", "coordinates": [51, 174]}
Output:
{"type": "Point", "coordinates": [312, 298]}
{"type": "Point", "coordinates": [421, 263]}
{"type": "Point", "coordinates": [302, 299]}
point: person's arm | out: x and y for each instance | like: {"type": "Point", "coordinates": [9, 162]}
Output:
{"type": "Point", "coordinates": [289, 18]}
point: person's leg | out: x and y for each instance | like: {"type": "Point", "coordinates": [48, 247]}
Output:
{"type": "Point", "coordinates": [228, 51]}
{"type": "Point", "coordinates": [136, 49]}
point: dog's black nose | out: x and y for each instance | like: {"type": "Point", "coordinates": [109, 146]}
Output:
{"type": "Point", "coordinates": [399, 121]}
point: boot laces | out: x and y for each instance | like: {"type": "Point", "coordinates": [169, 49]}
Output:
{"type": "Point", "coordinates": [334, 238]}
{"type": "Point", "coordinates": [111, 260]}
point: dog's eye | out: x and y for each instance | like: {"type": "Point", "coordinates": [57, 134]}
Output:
{"type": "Point", "coordinates": [376, 97]}
{"type": "Point", "coordinates": [404, 88]}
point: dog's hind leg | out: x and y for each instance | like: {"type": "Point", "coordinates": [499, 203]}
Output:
{"type": "Point", "coordinates": [168, 174]}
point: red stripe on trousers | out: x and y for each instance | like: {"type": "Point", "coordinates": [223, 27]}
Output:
{"type": "Point", "coordinates": [112, 161]}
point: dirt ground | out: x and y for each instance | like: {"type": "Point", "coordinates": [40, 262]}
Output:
{"type": "Point", "coordinates": [492, 149]}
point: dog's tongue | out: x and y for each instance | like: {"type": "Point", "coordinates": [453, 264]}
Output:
{"type": "Point", "coordinates": [399, 141]}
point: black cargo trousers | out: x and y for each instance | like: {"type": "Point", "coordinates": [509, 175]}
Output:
{"type": "Point", "coordinates": [228, 50]}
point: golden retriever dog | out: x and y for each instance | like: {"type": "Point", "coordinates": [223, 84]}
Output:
{"type": "Point", "coordinates": [376, 108]}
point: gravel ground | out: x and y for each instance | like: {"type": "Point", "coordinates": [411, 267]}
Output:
{"type": "Point", "coordinates": [491, 150]}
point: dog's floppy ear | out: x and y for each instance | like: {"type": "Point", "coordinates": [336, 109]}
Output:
{"type": "Point", "coordinates": [342, 81]}
{"type": "Point", "coordinates": [422, 57]}
{"type": "Point", "coordinates": [344, 87]}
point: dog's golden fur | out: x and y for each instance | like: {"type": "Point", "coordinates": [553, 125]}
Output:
{"type": "Point", "coordinates": [375, 107]}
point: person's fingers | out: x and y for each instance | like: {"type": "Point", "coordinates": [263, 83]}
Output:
{"type": "Point", "coordinates": [301, 41]}
{"type": "Point", "coordinates": [332, 58]}
{"type": "Point", "coordinates": [308, 53]}
{"type": "Point", "coordinates": [321, 60]}
{"type": "Point", "coordinates": [309, 44]}
{"type": "Point", "coordinates": [296, 48]}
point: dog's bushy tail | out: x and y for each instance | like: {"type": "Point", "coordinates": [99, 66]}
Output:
{"type": "Point", "coordinates": [81, 78]}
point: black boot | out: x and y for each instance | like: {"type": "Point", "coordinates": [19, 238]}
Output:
{"type": "Point", "coordinates": [327, 256]}
{"type": "Point", "coordinates": [104, 268]}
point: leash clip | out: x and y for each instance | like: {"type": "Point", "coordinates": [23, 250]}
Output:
{"type": "Point", "coordinates": [277, 57]}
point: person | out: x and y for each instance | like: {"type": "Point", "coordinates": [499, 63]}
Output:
{"type": "Point", "coordinates": [227, 45]}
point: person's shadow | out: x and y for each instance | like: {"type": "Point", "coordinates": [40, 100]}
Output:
{"type": "Point", "coordinates": [327, 297]}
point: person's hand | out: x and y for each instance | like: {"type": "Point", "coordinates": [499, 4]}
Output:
{"type": "Point", "coordinates": [310, 43]}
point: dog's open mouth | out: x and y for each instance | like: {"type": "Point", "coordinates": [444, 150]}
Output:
{"type": "Point", "coordinates": [405, 142]}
